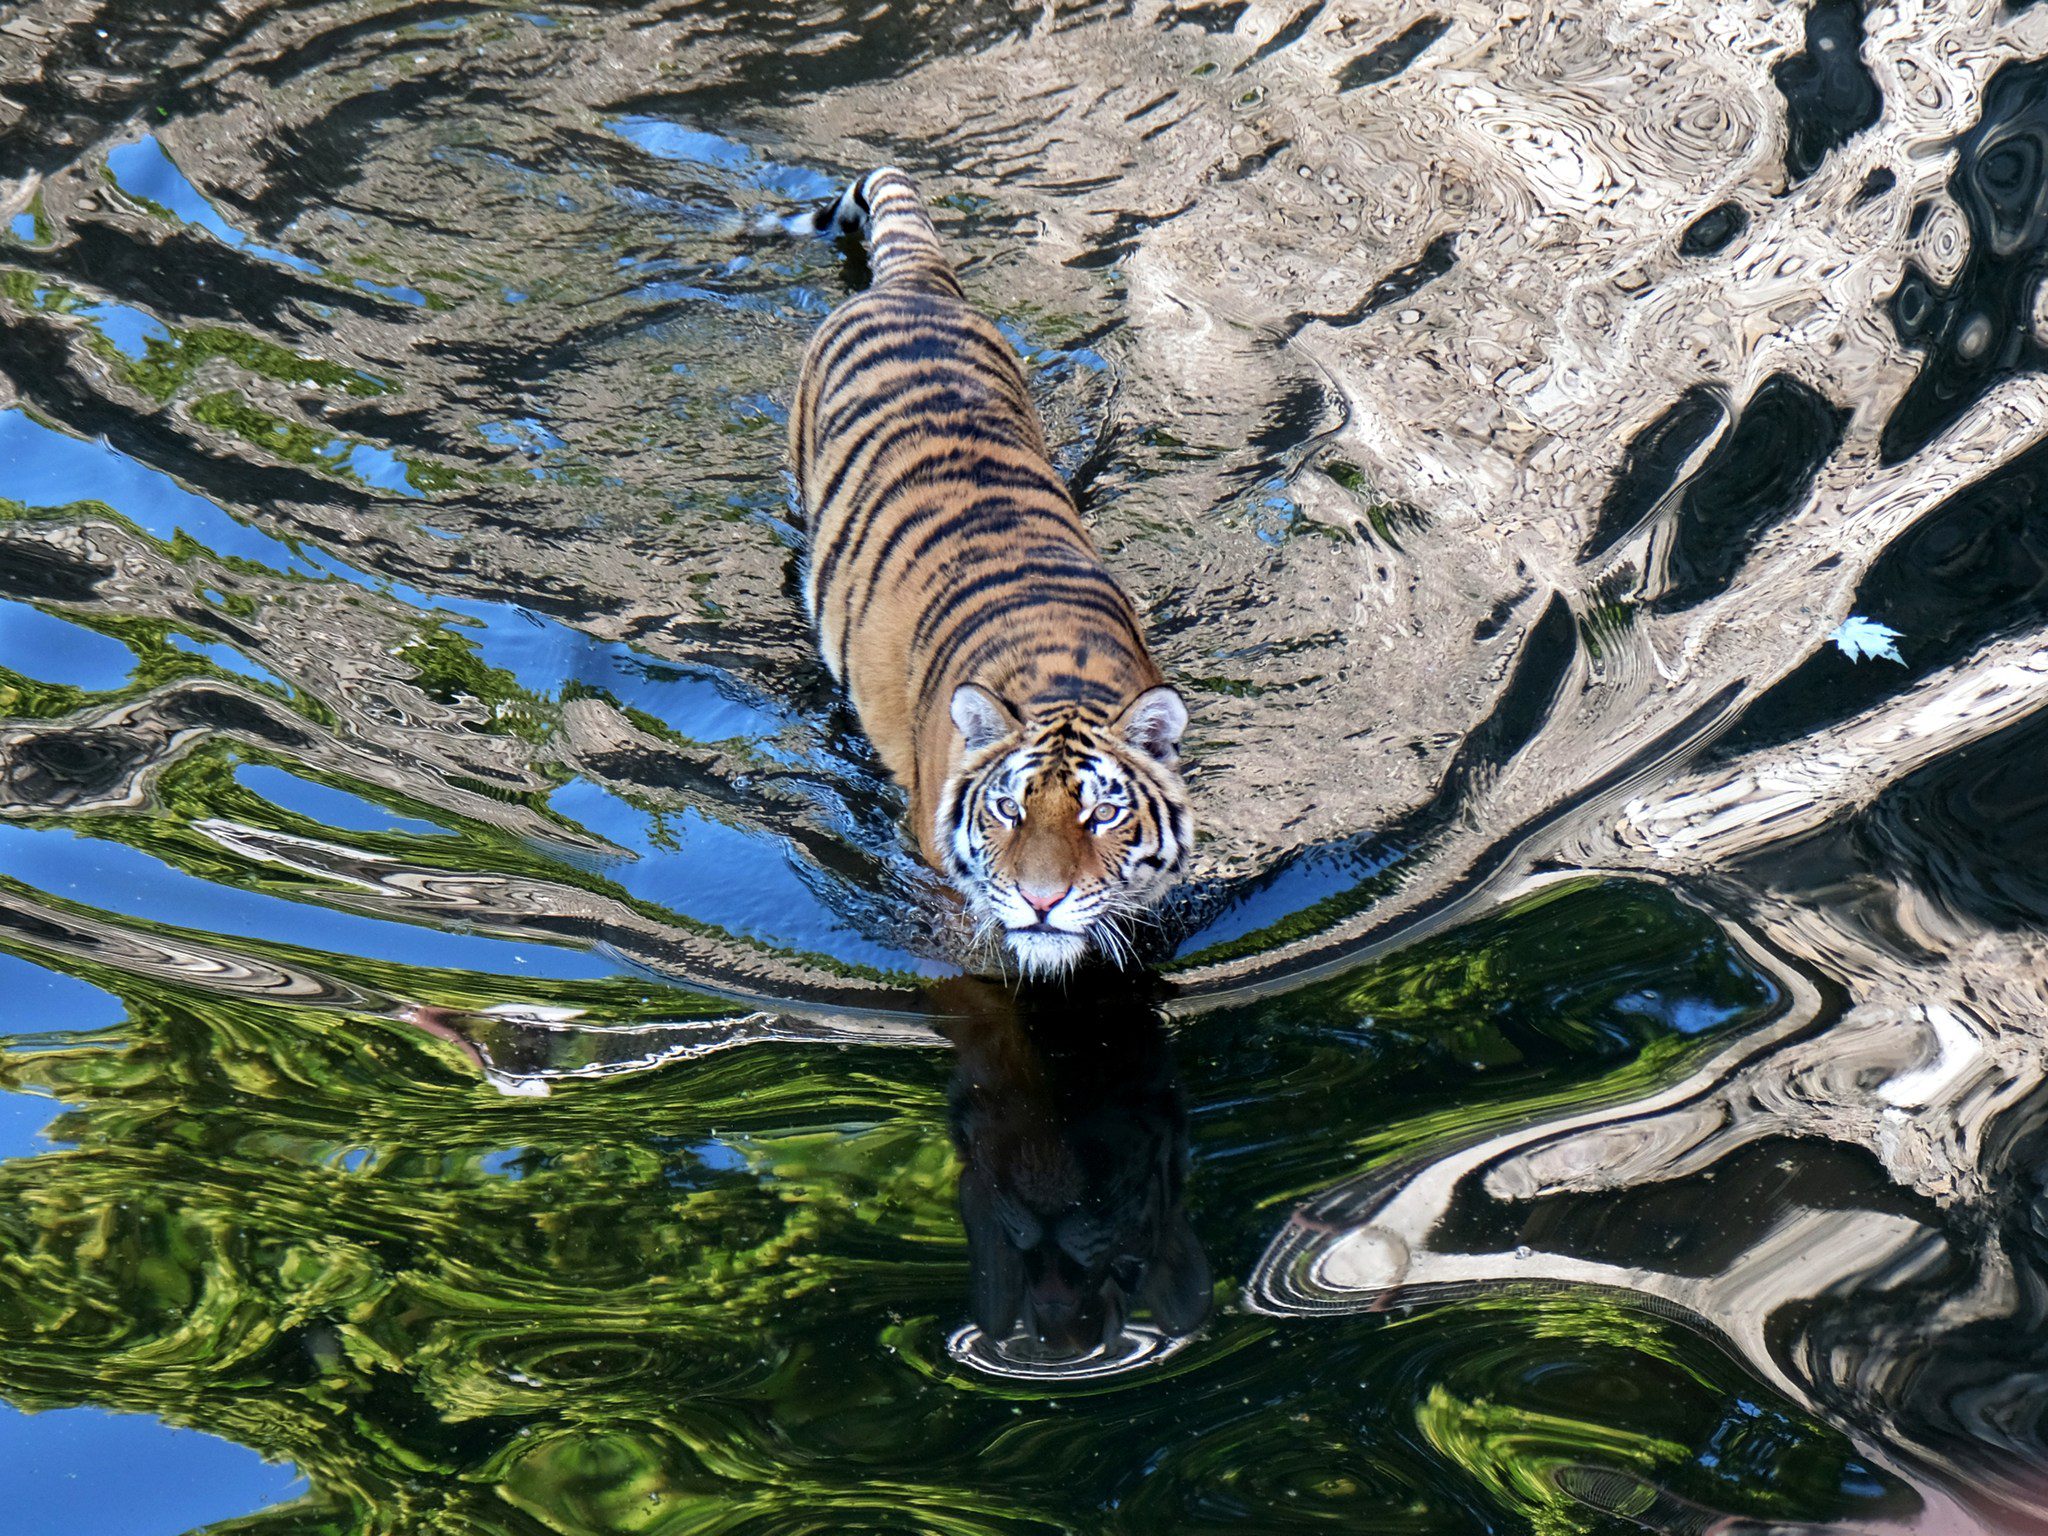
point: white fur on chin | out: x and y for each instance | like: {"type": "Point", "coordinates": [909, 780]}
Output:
{"type": "Point", "coordinates": [1046, 954]}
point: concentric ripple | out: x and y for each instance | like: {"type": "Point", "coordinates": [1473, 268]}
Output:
{"type": "Point", "coordinates": [1132, 1349]}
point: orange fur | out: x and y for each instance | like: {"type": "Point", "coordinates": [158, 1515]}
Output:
{"type": "Point", "coordinates": [946, 551]}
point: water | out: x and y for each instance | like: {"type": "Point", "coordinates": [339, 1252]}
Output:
{"type": "Point", "coordinates": [479, 1056]}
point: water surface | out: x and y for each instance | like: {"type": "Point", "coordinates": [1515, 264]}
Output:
{"type": "Point", "coordinates": [480, 1057]}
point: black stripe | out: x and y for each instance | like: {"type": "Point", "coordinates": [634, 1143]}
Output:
{"type": "Point", "coordinates": [871, 317]}
{"type": "Point", "coordinates": [907, 221]}
{"type": "Point", "coordinates": [939, 390]}
{"type": "Point", "coordinates": [975, 661]}
{"type": "Point", "coordinates": [990, 514]}
{"type": "Point", "coordinates": [951, 646]}
{"type": "Point", "coordinates": [939, 393]}
{"type": "Point", "coordinates": [925, 273]}
{"type": "Point", "coordinates": [1088, 639]}
{"type": "Point", "coordinates": [906, 314]}
{"type": "Point", "coordinates": [994, 513]}
{"type": "Point", "coordinates": [856, 511]}
{"type": "Point", "coordinates": [910, 310]}
{"type": "Point", "coordinates": [852, 390]}
{"type": "Point", "coordinates": [1046, 572]}
{"type": "Point", "coordinates": [939, 463]}
{"type": "Point", "coordinates": [926, 345]}
{"type": "Point", "coordinates": [860, 510]}
{"type": "Point", "coordinates": [1063, 686]}
{"type": "Point", "coordinates": [906, 234]}
{"type": "Point", "coordinates": [928, 411]}
{"type": "Point", "coordinates": [850, 319]}
{"type": "Point", "coordinates": [1014, 514]}
{"type": "Point", "coordinates": [891, 435]}
{"type": "Point", "coordinates": [973, 555]}
{"type": "Point", "coordinates": [799, 432]}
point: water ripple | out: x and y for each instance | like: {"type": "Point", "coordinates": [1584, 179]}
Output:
{"type": "Point", "coordinates": [528, 1101]}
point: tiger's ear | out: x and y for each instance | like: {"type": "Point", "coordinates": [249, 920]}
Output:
{"type": "Point", "coordinates": [982, 717]}
{"type": "Point", "coordinates": [1152, 723]}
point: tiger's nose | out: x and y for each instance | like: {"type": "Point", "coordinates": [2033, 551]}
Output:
{"type": "Point", "coordinates": [1042, 900]}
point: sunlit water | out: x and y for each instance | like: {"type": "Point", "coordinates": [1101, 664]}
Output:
{"type": "Point", "coordinates": [480, 1058]}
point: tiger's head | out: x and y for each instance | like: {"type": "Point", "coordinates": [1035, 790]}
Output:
{"type": "Point", "coordinates": [1055, 826]}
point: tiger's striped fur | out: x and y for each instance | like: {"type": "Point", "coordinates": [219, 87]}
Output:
{"type": "Point", "coordinates": [997, 666]}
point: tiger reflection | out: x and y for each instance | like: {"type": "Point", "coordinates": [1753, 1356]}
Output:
{"type": "Point", "coordinates": [1071, 1130]}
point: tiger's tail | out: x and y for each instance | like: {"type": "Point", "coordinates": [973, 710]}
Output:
{"type": "Point", "coordinates": [902, 247]}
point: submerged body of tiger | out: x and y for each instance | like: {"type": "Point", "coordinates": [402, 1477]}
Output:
{"type": "Point", "coordinates": [998, 668]}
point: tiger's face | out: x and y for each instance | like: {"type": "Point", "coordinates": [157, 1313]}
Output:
{"type": "Point", "coordinates": [1057, 828]}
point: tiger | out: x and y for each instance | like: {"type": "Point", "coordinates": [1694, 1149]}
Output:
{"type": "Point", "coordinates": [996, 666]}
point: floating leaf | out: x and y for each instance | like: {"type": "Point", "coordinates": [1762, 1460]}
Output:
{"type": "Point", "coordinates": [1859, 638]}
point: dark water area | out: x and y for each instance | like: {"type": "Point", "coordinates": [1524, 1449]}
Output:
{"type": "Point", "coordinates": [479, 1056]}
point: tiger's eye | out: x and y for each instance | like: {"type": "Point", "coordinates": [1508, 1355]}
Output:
{"type": "Point", "coordinates": [1009, 809]}
{"type": "Point", "coordinates": [1103, 817]}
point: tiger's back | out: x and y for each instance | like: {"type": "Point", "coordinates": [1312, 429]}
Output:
{"type": "Point", "coordinates": [946, 553]}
